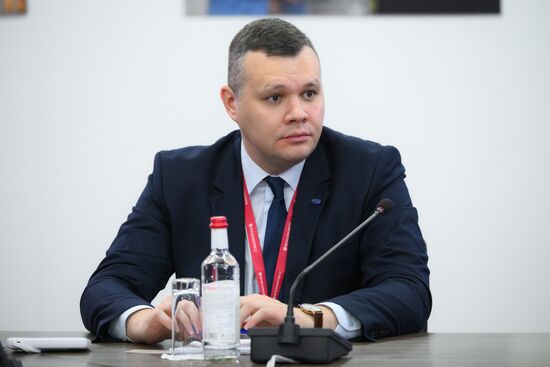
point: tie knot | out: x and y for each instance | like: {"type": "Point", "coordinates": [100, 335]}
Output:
{"type": "Point", "coordinates": [277, 185]}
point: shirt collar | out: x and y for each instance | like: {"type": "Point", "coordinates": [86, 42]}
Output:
{"type": "Point", "coordinates": [254, 174]}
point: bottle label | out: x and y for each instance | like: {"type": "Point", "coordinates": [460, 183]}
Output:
{"type": "Point", "coordinates": [220, 312]}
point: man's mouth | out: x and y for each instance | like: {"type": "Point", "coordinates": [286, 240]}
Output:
{"type": "Point", "coordinates": [297, 137]}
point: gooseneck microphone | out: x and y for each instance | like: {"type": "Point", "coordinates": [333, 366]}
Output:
{"type": "Point", "coordinates": [306, 345]}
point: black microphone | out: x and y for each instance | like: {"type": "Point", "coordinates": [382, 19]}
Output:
{"type": "Point", "coordinates": [306, 345]}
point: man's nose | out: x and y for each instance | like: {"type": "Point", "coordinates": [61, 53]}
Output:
{"type": "Point", "coordinates": [296, 111]}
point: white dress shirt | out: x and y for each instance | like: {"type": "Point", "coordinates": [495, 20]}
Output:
{"type": "Point", "coordinates": [260, 198]}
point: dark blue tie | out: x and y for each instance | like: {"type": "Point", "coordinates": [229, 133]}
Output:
{"type": "Point", "coordinates": [276, 218]}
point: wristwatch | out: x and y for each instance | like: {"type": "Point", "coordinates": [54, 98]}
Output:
{"type": "Point", "coordinates": [315, 311]}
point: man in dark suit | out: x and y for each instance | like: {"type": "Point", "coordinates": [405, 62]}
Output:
{"type": "Point", "coordinates": [375, 286]}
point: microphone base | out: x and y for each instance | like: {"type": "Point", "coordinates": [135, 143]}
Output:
{"type": "Point", "coordinates": [315, 345]}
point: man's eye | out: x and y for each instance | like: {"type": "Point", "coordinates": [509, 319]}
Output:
{"type": "Point", "coordinates": [309, 94]}
{"type": "Point", "coordinates": [274, 98]}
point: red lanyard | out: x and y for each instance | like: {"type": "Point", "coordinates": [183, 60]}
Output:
{"type": "Point", "coordinates": [256, 251]}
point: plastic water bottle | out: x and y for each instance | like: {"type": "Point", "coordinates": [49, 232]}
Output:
{"type": "Point", "coordinates": [220, 297]}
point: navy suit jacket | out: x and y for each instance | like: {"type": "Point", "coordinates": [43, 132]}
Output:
{"type": "Point", "coordinates": [381, 277]}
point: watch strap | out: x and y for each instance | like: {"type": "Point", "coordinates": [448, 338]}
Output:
{"type": "Point", "coordinates": [317, 315]}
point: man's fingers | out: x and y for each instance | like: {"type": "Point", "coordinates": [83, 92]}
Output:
{"type": "Point", "coordinates": [164, 319]}
{"type": "Point", "coordinates": [266, 317]}
{"type": "Point", "coordinates": [149, 325]}
{"type": "Point", "coordinates": [257, 310]}
{"type": "Point", "coordinates": [245, 311]}
{"type": "Point", "coordinates": [166, 305]}
{"type": "Point", "coordinates": [195, 317]}
{"type": "Point", "coordinates": [256, 318]}
{"type": "Point", "coordinates": [192, 317]}
{"type": "Point", "coordinates": [183, 319]}
{"type": "Point", "coordinates": [252, 303]}
{"type": "Point", "coordinates": [188, 316]}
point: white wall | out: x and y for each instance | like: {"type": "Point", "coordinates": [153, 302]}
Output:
{"type": "Point", "coordinates": [90, 90]}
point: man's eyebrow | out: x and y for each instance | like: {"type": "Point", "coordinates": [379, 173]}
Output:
{"type": "Point", "coordinates": [274, 87]}
{"type": "Point", "coordinates": [313, 84]}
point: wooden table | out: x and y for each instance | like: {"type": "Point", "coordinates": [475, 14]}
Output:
{"type": "Point", "coordinates": [432, 349]}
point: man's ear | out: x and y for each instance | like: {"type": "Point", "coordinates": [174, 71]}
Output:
{"type": "Point", "coordinates": [229, 100]}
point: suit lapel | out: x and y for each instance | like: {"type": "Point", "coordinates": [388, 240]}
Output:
{"type": "Point", "coordinates": [313, 192]}
{"type": "Point", "coordinates": [227, 200]}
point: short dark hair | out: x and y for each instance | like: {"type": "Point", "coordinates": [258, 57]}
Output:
{"type": "Point", "coordinates": [273, 36]}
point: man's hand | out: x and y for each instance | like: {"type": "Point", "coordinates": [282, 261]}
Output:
{"type": "Point", "coordinates": [257, 310]}
{"type": "Point", "coordinates": [189, 322]}
{"type": "Point", "coordinates": [153, 325]}
{"type": "Point", "coordinates": [150, 325]}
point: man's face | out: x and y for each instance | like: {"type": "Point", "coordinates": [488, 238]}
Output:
{"type": "Point", "coordinates": [280, 108]}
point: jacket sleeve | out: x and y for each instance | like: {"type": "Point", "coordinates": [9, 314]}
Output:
{"type": "Point", "coordinates": [395, 296]}
{"type": "Point", "coordinates": [137, 264]}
